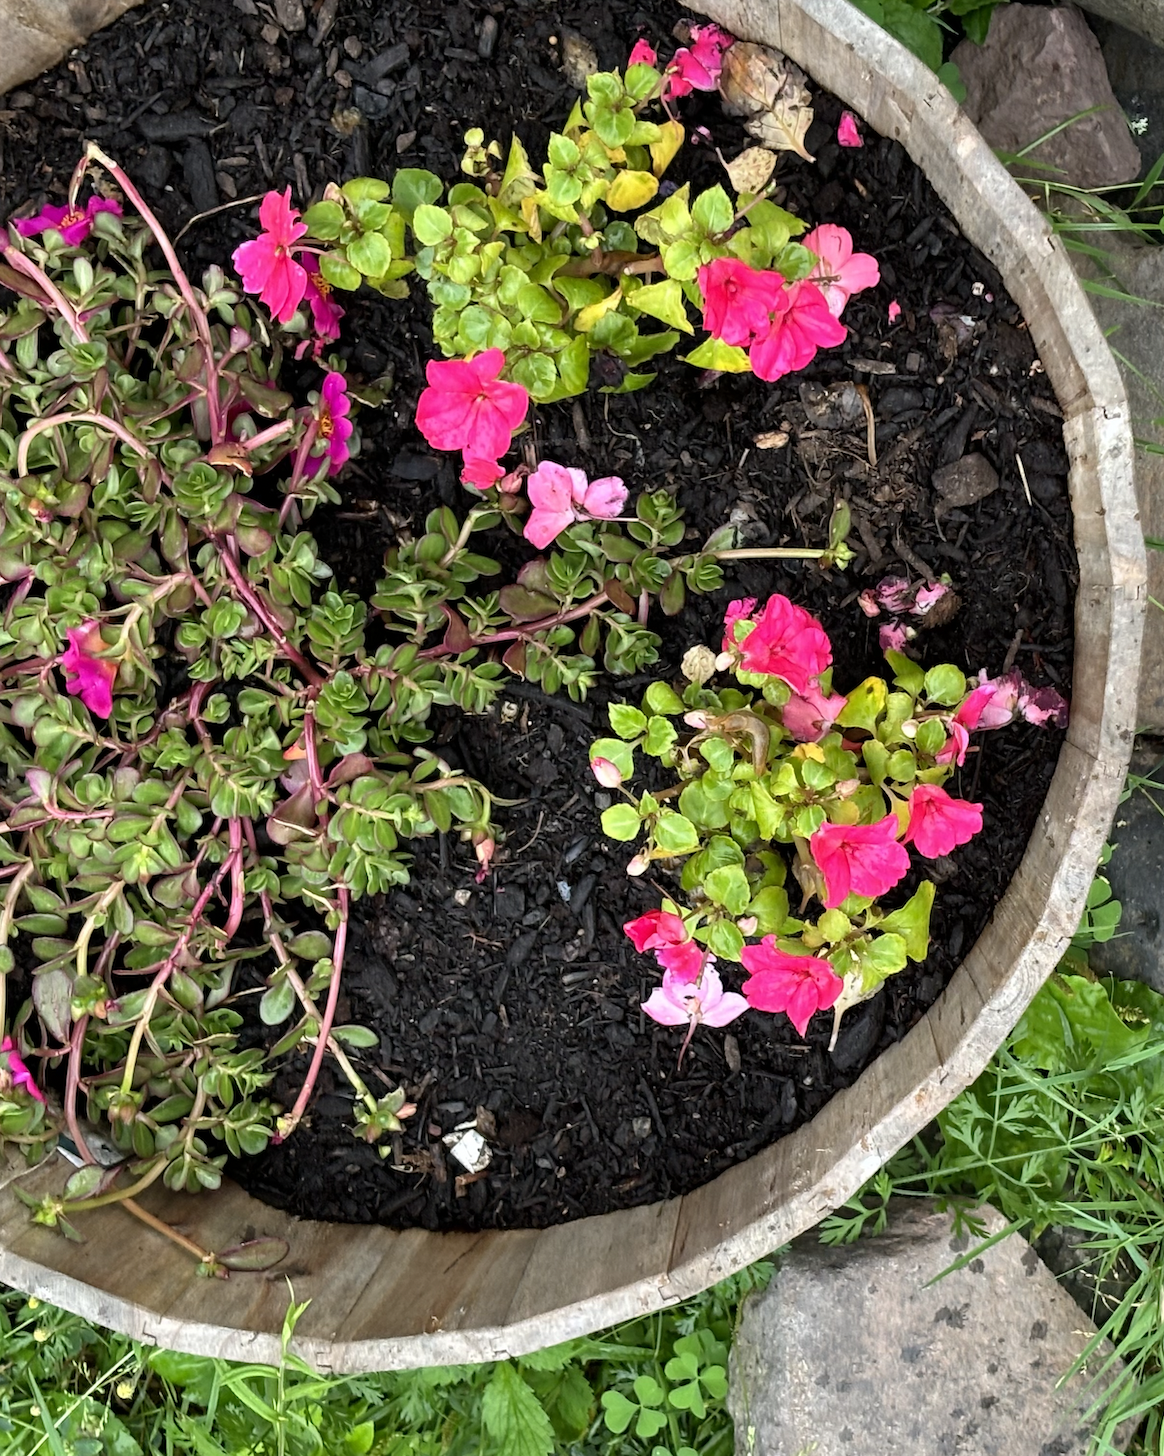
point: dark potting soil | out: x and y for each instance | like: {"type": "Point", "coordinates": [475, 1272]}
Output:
{"type": "Point", "coordinates": [521, 996]}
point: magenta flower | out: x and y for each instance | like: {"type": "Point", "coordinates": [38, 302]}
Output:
{"type": "Point", "coordinates": [859, 859]}
{"type": "Point", "coordinates": [839, 272]}
{"type": "Point", "coordinates": [73, 223]}
{"type": "Point", "coordinates": [642, 53]}
{"type": "Point", "coordinates": [893, 636]}
{"type": "Point", "coordinates": [468, 407]}
{"type": "Point", "coordinates": [265, 264]}
{"type": "Point", "coordinates": [88, 676]}
{"type": "Point", "coordinates": [605, 772]}
{"type": "Point", "coordinates": [480, 473]}
{"type": "Point", "coordinates": [847, 133]}
{"type": "Point", "coordinates": [667, 936]}
{"type": "Point", "coordinates": [801, 985]}
{"type": "Point", "coordinates": [325, 312]}
{"type": "Point", "coordinates": [561, 495]}
{"type": "Point", "coordinates": [1010, 696]}
{"type": "Point", "coordinates": [18, 1073]}
{"type": "Point", "coordinates": [696, 67]}
{"type": "Point", "coordinates": [894, 310]}
{"type": "Point", "coordinates": [680, 1002]}
{"type": "Point", "coordinates": [739, 301]}
{"type": "Point", "coordinates": [786, 641]}
{"type": "Point", "coordinates": [809, 716]}
{"type": "Point", "coordinates": [939, 823]}
{"type": "Point", "coordinates": [806, 325]}
{"type": "Point", "coordinates": [334, 427]}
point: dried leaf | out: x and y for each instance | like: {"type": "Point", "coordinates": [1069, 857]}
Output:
{"type": "Point", "coordinates": [765, 86]}
{"type": "Point", "coordinates": [255, 1254]}
{"type": "Point", "coordinates": [749, 172]}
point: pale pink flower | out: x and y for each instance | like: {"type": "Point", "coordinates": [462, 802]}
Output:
{"type": "Point", "coordinates": [786, 641]}
{"type": "Point", "coordinates": [859, 859]}
{"type": "Point", "coordinates": [847, 133]}
{"type": "Point", "coordinates": [893, 636]}
{"type": "Point", "coordinates": [17, 1071]}
{"type": "Point", "coordinates": [801, 985]}
{"type": "Point", "coordinates": [484, 848]}
{"type": "Point", "coordinates": [679, 1002]}
{"type": "Point", "coordinates": [466, 406]}
{"type": "Point", "coordinates": [605, 772]}
{"type": "Point", "coordinates": [265, 264]}
{"type": "Point", "coordinates": [796, 333]}
{"type": "Point", "coordinates": [739, 301]}
{"type": "Point", "coordinates": [642, 53]}
{"type": "Point", "coordinates": [88, 676]}
{"type": "Point", "coordinates": [696, 67]}
{"type": "Point", "coordinates": [668, 937]}
{"type": "Point", "coordinates": [325, 312]}
{"type": "Point", "coordinates": [939, 823]}
{"type": "Point", "coordinates": [73, 223]}
{"type": "Point", "coordinates": [839, 272]}
{"type": "Point", "coordinates": [1013, 696]}
{"type": "Point", "coordinates": [894, 310]}
{"type": "Point", "coordinates": [334, 426]}
{"type": "Point", "coordinates": [561, 495]}
{"type": "Point", "coordinates": [809, 716]}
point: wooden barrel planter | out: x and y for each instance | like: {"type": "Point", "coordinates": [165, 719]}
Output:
{"type": "Point", "coordinates": [383, 1299]}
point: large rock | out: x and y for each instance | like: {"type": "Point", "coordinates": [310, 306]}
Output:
{"type": "Point", "coordinates": [1038, 67]}
{"type": "Point", "coordinates": [1136, 875]}
{"type": "Point", "coordinates": [1144, 17]}
{"type": "Point", "coordinates": [848, 1353]}
{"type": "Point", "coordinates": [38, 33]}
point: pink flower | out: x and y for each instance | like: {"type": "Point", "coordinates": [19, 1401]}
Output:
{"type": "Point", "coordinates": [786, 641]}
{"type": "Point", "coordinates": [809, 716]}
{"type": "Point", "coordinates": [738, 611]}
{"type": "Point", "coordinates": [847, 133]}
{"type": "Point", "coordinates": [894, 310]}
{"type": "Point", "coordinates": [88, 676]}
{"type": "Point", "coordinates": [796, 333]}
{"type": "Point", "coordinates": [73, 223]}
{"type": "Point", "coordinates": [697, 67]}
{"type": "Point", "coordinates": [484, 847]}
{"type": "Point", "coordinates": [667, 936]}
{"type": "Point", "coordinates": [798, 984]}
{"type": "Point", "coordinates": [561, 495]}
{"type": "Point", "coordinates": [894, 595]}
{"type": "Point", "coordinates": [1044, 707]}
{"type": "Point", "coordinates": [839, 272]}
{"type": "Point", "coordinates": [928, 597]}
{"type": "Point", "coordinates": [893, 637]}
{"type": "Point", "coordinates": [17, 1071]}
{"type": "Point", "coordinates": [680, 1002]}
{"type": "Point", "coordinates": [967, 717]}
{"type": "Point", "coordinates": [955, 746]}
{"type": "Point", "coordinates": [325, 312]}
{"type": "Point", "coordinates": [859, 859]}
{"type": "Point", "coordinates": [480, 473]}
{"type": "Point", "coordinates": [265, 264]}
{"type": "Point", "coordinates": [738, 301]}
{"type": "Point", "coordinates": [605, 772]}
{"type": "Point", "coordinates": [1012, 695]}
{"type": "Point", "coordinates": [642, 53]}
{"type": "Point", "coordinates": [939, 823]}
{"type": "Point", "coordinates": [467, 407]}
{"type": "Point", "coordinates": [334, 426]}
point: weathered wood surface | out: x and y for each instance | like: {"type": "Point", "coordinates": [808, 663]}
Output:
{"type": "Point", "coordinates": [381, 1299]}
{"type": "Point", "coordinates": [36, 34]}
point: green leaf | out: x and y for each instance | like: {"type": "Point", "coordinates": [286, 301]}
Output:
{"type": "Point", "coordinates": [324, 220]}
{"type": "Point", "coordinates": [912, 921]}
{"type": "Point", "coordinates": [728, 886]}
{"type": "Point", "coordinates": [770, 907]}
{"type": "Point", "coordinates": [945, 684]}
{"type": "Point", "coordinates": [715, 354]}
{"type": "Point", "coordinates": [908, 676]}
{"type": "Point", "coordinates": [618, 752]}
{"type": "Point", "coordinates": [617, 1411]}
{"type": "Point", "coordinates": [277, 1003]}
{"type": "Point", "coordinates": [712, 211]}
{"type": "Point", "coordinates": [660, 698]}
{"type": "Point", "coordinates": [513, 1415]}
{"type": "Point", "coordinates": [339, 272]}
{"type": "Point", "coordinates": [864, 705]}
{"type": "Point", "coordinates": [665, 302]}
{"type": "Point", "coordinates": [880, 957]}
{"type": "Point", "coordinates": [661, 736]}
{"type": "Point", "coordinates": [432, 225]}
{"type": "Point", "coordinates": [626, 721]}
{"type": "Point", "coordinates": [537, 373]}
{"type": "Point", "coordinates": [621, 822]}
{"type": "Point", "coordinates": [370, 254]}
{"type": "Point", "coordinates": [675, 834]}
{"type": "Point", "coordinates": [412, 187]}
{"type": "Point", "coordinates": [725, 940]}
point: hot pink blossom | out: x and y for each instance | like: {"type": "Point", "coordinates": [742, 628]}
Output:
{"type": "Point", "coordinates": [798, 984]}
{"type": "Point", "coordinates": [642, 53]}
{"type": "Point", "coordinates": [839, 272]}
{"type": "Point", "coordinates": [265, 264]}
{"type": "Point", "coordinates": [796, 333]}
{"type": "Point", "coordinates": [955, 746]}
{"type": "Point", "coordinates": [73, 223]}
{"type": "Point", "coordinates": [859, 859]}
{"type": "Point", "coordinates": [894, 310]}
{"type": "Point", "coordinates": [809, 716]}
{"type": "Point", "coordinates": [696, 67]}
{"type": "Point", "coordinates": [967, 717]}
{"type": "Point", "coordinates": [738, 611]}
{"type": "Point", "coordinates": [667, 936]}
{"type": "Point", "coordinates": [739, 301]}
{"type": "Point", "coordinates": [17, 1070]}
{"type": "Point", "coordinates": [325, 312]}
{"type": "Point", "coordinates": [561, 495]}
{"type": "Point", "coordinates": [480, 473]}
{"type": "Point", "coordinates": [88, 676]}
{"type": "Point", "coordinates": [786, 641]}
{"type": "Point", "coordinates": [334, 426]}
{"type": "Point", "coordinates": [467, 407]}
{"type": "Point", "coordinates": [680, 1002]}
{"type": "Point", "coordinates": [847, 133]}
{"type": "Point", "coordinates": [605, 772]}
{"type": "Point", "coordinates": [939, 823]}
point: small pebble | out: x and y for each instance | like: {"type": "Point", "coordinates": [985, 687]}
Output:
{"type": "Point", "coordinates": [602, 800]}
{"type": "Point", "coordinates": [462, 897]}
{"type": "Point", "coordinates": [487, 38]}
{"type": "Point", "coordinates": [641, 1127]}
{"type": "Point", "coordinates": [564, 891]}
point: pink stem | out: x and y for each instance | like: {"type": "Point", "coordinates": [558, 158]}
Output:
{"type": "Point", "coordinates": [251, 598]}
{"type": "Point", "coordinates": [43, 281]}
{"type": "Point", "coordinates": [86, 417]}
{"type": "Point", "coordinates": [528, 629]}
{"type": "Point", "coordinates": [237, 900]}
{"type": "Point", "coordinates": [72, 1081]}
{"type": "Point", "coordinates": [288, 1124]}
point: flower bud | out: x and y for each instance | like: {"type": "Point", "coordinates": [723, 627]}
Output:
{"type": "Point", "coordinates": [606, 773]}
{"type": "Point", "coordinates": [746, 924]}
{"type": "Point", "coordinates": [698, 664]}
{"type": "Point", "coordinates": [638, 865]}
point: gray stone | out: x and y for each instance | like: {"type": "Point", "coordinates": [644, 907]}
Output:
{"type": "Point", "coordinates": [1037, 68]}
{"type": "Point", "coordinates": [1136, 71]}
{"type": "Point", "coordinates": [1144, 17]}
{"type": "Point", "coordinates": [848, 1353]}
{"type": "Point", "coordinates": [966, 481]}
{"type": "Point", "coordinates": [1136, 875]}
